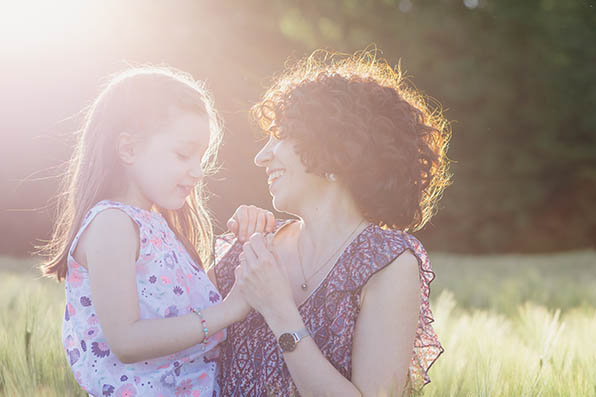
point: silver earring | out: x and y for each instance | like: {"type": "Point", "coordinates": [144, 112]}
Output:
{"type": "Point", "coordinates": [330, 176]}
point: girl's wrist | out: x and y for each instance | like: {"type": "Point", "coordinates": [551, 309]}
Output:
{"type": "Point", "coordinates": [227, 308]}
{"type": "Point", "coordinates": [232, 309]}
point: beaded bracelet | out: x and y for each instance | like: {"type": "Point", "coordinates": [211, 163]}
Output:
{"type": "Point", "coordinates": [197, 311]}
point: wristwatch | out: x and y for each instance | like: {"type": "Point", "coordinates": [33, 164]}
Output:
{"type": "Point", "coordinates": [288, 340]}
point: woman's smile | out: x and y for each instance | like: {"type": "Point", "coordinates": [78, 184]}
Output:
{"type": "Point", "coordinates": [274, 175]}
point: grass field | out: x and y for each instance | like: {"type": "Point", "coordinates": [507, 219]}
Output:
{"type": "Point", "coordinates": [511, 325]}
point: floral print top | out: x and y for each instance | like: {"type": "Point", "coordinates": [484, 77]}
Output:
{"type": "Point", "coordinates": [169, 284]}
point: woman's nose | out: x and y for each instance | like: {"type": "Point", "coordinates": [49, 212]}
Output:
{"type": "Point", "coordinates": [264, 156]}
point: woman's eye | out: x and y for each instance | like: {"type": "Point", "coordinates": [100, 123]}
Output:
{"type": "Point", "coordinates": [182, 156]}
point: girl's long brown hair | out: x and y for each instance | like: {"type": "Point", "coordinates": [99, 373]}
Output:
{"type": "Point", "coordinates": [136, 101]}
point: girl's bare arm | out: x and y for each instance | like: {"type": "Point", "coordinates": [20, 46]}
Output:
{"type": "Point", "coordinates": [109, 248]}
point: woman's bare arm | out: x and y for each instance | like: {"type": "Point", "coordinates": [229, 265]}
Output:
{"type": "Point", "coordinates": [386, 328]}
{"type": "Point", "coordinates": [384, 334]}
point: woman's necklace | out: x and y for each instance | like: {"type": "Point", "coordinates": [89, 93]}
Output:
{"type": "Point", "coordinates": [304, 285]}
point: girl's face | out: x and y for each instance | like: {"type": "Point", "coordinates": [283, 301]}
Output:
{"type": "Point", "coordinates": [291, 187]}
{"type": "Point", "coordinates": [167, 165]}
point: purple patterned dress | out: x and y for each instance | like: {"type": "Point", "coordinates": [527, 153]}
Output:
{"type": "Point", "coordinates": [168, 283]}
{"type": "Point", "coordinates": [252, 363]}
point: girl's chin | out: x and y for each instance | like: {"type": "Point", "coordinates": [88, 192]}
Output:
{"type": "Point", "coordinates": [173, 204]}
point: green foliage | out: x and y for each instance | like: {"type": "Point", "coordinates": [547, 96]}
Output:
{"type": "Point", "coordinates": [518, 81]}
{"type": "Point", "coordinates": [501, 283]}
{"type": "Point", "coordinates": [517, 78]}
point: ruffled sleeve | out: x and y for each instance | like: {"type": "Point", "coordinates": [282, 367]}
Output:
{"type": "Point", "coordinates": [427, 347]}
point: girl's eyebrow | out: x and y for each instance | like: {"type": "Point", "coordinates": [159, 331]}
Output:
{"type": "Point", "coordinates": [191, 142]}
{"type": "Point", "coordinates": [191, 146]}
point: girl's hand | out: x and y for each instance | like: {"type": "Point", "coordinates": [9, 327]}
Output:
{"type": "Point", "coordinates": [262, 280]}
{"type": "Point", "coordinates": [249, 219]}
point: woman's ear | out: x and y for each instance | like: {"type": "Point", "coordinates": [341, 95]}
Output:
{"type": "Point", "coordinates": [127, 147]}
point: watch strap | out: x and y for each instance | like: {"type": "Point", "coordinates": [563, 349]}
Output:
{"type": "Point", "coordinates": [298, 335]}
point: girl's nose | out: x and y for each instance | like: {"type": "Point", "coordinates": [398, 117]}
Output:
{"type": "Point", "coordinates": [265, 154]}
{"type": "Point", "coordinates": [196, 171]}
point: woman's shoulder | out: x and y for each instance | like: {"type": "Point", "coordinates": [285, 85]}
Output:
{"type": "Point", "coordinates": [386, 240]}
{"type": "Point", "coordinates": [393, 241]}
{"type": "Point", "coordinates": [377, 248]}
{"type": "Point", "coordinates": [402, 271]}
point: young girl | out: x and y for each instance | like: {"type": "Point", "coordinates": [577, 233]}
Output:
{"type": "Point", "coordinates": [142, 317]}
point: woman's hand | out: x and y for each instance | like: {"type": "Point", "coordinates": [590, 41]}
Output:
{"type": "Point", "coordinates": [262, 280]}
{"type": "Point", "coordinates": [249, 219]}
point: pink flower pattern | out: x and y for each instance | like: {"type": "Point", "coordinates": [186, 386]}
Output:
{"type": "Point", "coordinates": [169, 284]}
{"type": "Point", "coordinates": [126, 390]}
{"type": "Point", "coordinates": [184, 389]}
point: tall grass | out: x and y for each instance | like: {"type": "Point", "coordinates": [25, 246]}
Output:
{"type": "Point", "coordinates": [511, 326]}
{"type": "Point", "coordinates": [32, 360]}
{"type": "Point", "coordinates": [535, 352]}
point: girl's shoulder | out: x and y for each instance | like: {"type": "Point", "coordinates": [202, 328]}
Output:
{"type": "Point", "coordinates": [111, 222]}
{"type": "Point", "coordinates": [145, 221]}
{"type": "Point", "coordinates": [137, 214]}
{"type": "Point", "coordinates": [108, 219]}
{"type": "Point", "coordinates": [104, 223]}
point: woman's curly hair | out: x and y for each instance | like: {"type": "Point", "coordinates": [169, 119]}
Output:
{"type": "Point", "coordinates": [354, 116]}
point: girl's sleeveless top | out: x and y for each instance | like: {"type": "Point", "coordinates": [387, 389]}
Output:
{"type": "Point", "coordinates": [168, 283]}
{"type": "Point", "coordinates": [252, 362]}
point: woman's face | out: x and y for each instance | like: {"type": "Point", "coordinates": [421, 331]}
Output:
{"type": "Point", "coordinates": [290, 185]}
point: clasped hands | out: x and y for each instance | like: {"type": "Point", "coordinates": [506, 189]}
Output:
{"type": "Point", "coordinates": [261, 282]}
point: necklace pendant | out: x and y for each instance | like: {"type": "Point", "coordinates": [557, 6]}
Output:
{"type": "Point", "coordinates": [304, 286]}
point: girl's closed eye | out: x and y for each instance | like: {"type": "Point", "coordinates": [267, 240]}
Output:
{"type": "Point", "coordinates": [185, 154]}
{"type": "Point", "coordinates": [182, 156]}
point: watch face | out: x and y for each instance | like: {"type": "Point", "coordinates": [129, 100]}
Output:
{"type": "Point", "coordinates": [287, 342]}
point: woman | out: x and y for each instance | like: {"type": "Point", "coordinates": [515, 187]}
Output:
{"type": "Point", "coordinates": [341, 295]}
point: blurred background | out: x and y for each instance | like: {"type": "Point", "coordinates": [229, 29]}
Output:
{"type": "Point", "coordinates": [512, 244]}
{"type": "Point", "coordinates": [516, 78]}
